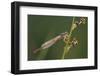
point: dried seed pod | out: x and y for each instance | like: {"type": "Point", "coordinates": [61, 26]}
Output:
{"type": "Point", "coordinates": [82, 20]}
{"type": "Point", "coordinates": [74, 42]}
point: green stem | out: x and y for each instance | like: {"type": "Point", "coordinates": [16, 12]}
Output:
{"type": "Point", "coordinates": [71, 27]}
{"type": "Point", "coordinates": [64, 53]}
{"type": "Point", "coordinates": [66, 50]}
{"type": "Point", "coordinates": [67, 47]}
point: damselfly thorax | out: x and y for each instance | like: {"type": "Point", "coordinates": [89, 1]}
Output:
{"type": "Point", "coordinates": [51, 42]}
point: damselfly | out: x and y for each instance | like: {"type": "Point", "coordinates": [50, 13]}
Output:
{"type": "Point", "coordinates": [51, 42]}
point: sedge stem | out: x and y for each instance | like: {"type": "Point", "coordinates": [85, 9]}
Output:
{"type": "Point", "coordinates": [67, 47]}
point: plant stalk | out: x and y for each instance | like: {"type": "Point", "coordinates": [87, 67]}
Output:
{"type": "Point", "coordinates": [67, 47]}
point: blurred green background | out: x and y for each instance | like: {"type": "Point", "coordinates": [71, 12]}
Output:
{"type": "Point", "coordinates": [42, 28]}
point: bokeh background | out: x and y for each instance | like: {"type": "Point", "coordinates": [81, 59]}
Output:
{"type": "Point", "coordinates": [42, 28]}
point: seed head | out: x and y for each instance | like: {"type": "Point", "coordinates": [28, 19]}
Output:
{"type": "Point", "coordinates": [74, 42]}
